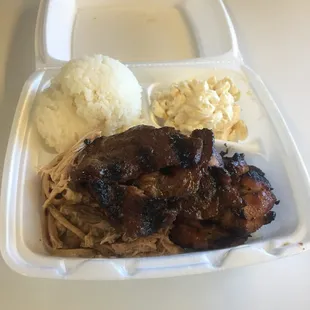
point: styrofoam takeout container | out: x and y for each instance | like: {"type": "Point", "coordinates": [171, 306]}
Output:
{"type": "Point", "coordinates": [197, 40]}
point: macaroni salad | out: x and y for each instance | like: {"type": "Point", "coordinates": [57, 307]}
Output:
{"type": "Point", "coordinates": [196, 104]}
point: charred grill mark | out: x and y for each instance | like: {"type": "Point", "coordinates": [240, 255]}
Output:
{"type": "Point", "coordinates": [182, 150]}
{"type": "Point", "coordinates": [236, 165]}
{"type": "Point", "coordinates": [115, 213]}
{"type": "Point", "coordinates": [114, 171]}
{"type": "Point", "coordinates": [166, 170]}
{"type": "Point", "coordinates": [154, 215]}
{"type": "Point", "coordinates": [254, 181]}
{"type": "Point", "coordinates": [146, 158]}
{"type": "Point", "coordinates": [270, 217]}
{"type": "Point", "coordinates": [106, 193]}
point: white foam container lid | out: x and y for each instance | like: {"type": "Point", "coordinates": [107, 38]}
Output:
{"type": "Point", "coordinates": [199, 41]}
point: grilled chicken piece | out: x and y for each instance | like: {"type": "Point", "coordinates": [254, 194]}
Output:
{"type": "Point", "coordinates": [255, 190]}
{"type": "Point", "coordinates": [139, 150]}
{"type": "Point", "coordinates": [244, 200]}
{"type": "Point", "coordinates": [109, 167]}
{"type": "Point", "coordinates": [146, 179]}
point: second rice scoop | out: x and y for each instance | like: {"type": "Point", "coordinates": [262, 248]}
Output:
{"type": "Point", "coordinates": [90, 93]}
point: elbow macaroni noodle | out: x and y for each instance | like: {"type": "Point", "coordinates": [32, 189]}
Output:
{"type": "Point", "coordinates": [197, 104]}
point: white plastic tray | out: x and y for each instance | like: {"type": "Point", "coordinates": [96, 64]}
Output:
{"type": "Point", "coordinates": [269, 146]}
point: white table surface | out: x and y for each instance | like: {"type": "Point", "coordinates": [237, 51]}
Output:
{"type": "Point", "coordinates": [275, 41]}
